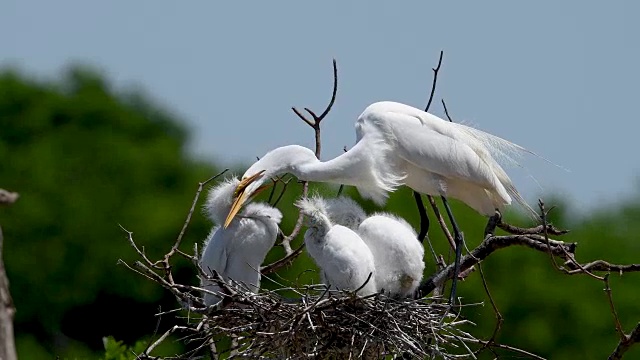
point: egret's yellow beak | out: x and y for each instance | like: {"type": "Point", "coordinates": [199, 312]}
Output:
{"type": "Point", "coordinates": [240, 196]}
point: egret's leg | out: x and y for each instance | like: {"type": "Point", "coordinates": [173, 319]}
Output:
{"type": "Point", "coordinates": [424, 219]}
{"type": "Point", "coordinates": [457, 237]}
{"type": "Point", "coordinates": [492, 223]}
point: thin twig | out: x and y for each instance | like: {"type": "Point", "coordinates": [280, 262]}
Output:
{"type": "Point", "coordinates": [567, 255]}
{"type": "Point", "coordinates": [315, 124]}
{"type": "Point", "coordinates": [499, 318]}
{"type": "Point", "coordinates": [601, 265]}
{"type": "Point", "coordinates": [175, 246]}
{"type": "Point", "coordinates": [276, 265]}
{"type": "Point", "coordinates": [441, 222]}
{"type": "Point", "coordinates": [424, 219]}
{"type": "Point", "coordinates": [616, 320]}
{"type": "Point", "coordinates": [435, 80]}
{"type": "Point", "coordinates": [488, 246]}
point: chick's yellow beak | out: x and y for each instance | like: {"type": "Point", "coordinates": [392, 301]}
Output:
{"type": "Point", "coordinates": [240, 196]}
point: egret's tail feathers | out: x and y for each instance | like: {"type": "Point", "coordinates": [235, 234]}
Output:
{"type": "Point", "coordinates": [315, 208]}
{"type": "Point", "coordinates": [504, 150]}
{"type": "Point", "coordinates": [520, 200]}
{"type": "Point", "coordinates": [219, 200]}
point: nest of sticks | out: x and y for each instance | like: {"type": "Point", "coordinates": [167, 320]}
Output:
{"type": "Point", "coordinates": [329, 324]}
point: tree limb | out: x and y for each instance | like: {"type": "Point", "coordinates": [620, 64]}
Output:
{"type": "Point", "coordinates": [626, 343]}
{"type": "Point", "coordinates": [488, 246]}
{"type": "Point", "coordinates": [7, 308]}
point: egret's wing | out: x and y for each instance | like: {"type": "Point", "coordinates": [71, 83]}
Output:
{"type": "Point", "coordinates": [435, 148]}
{"type": "Point", "coordinates": [215, 255]}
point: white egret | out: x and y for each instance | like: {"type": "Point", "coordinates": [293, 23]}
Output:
{"type": "Point", "coordinates": [345, 261]}
{"type": "Point", "coordinates": [397, 253]}
{"type": "Point", "coordinates": [237, 251]}
{"type": "Point", "coordinates": [398, 144]}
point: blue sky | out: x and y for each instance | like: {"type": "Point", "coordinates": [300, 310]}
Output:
{"type": "Point", "coordinates": [560, 78]}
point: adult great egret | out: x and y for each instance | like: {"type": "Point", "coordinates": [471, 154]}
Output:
{"type": "Point", "coordinates": [237, 251]}
{"type": "Point", "coordinates": [345, 260]}
{"type": "Point", "coordinates": [397, 253]}
{"type": "Point", "coordinates": [398, 144]}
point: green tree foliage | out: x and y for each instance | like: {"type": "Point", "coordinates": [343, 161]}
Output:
{"type": "Point", "coordinates": [116, 350]}
{"type": "Point", "coordinates": [86, 158]}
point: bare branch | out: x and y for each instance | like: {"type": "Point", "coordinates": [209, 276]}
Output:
{"type": "Point", "coordinates": [488, 246]}
{"type": "Point", "coordinates": [188, 220]}
{"type": "Point", "coordinates": [443, 225]}
{"type": "Point", "coordinates": [435, 80]}
{"type": "Point", "coordinates": [276, 265]}
{"type": "Point", "coordinates": [626, 343]}
{"type": "Point", "coordinates": [7, 308]}
{"type": "Point", "coordinates": [424, 219]}
{"type": "Point", "coordinates": [601, 265]}
{"type": "Point", "coordinates": [496, 311]}
{"type": "Point", "coordinates": [551, 230]}
{"type": "Point", "coordinates": [616, 320]}
{"type": "Point", "coordinates": [446, 111]}
{"type": "Point", "coordinates": [315, 124]}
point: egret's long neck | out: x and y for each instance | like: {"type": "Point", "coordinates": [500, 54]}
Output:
{"type": "Point", "coordinates": [350, 168]}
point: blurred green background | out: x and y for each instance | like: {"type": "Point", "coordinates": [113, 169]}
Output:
{"type": "Point", "coordinates": [86, 158]}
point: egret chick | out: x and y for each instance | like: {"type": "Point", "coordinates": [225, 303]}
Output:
{"type": "Point", "coordinates": [397, 253]}
{"type": "Point", "coordinates": [344, 259]}
{"type": "Point", "coordinates": [237, 251]}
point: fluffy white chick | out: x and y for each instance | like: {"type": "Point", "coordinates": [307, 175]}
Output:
{"type": "Point", "coordinates": [238, 251]}
{"type": "Point", "coordinates": [397, 253]}
{"type": "Point", "coordinates": [344, 259]}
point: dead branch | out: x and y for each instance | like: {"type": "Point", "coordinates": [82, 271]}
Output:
{"type": "Point", "coordinates": [424, 219]}
{"type": "Point", "coordinates": [175, 246]}
{"type": "Point", "coordinates": [626, 343]}
{"type": "Point", "coordinates": [314, 122]}
{"type": "Point", "coordinates": [7, 308]}
{"type": "Point", "coordinates": [601, 265]}
{"type": "Point", "coordinates": [538, 230]}
{"type": "Point", "coordinates": [488, 246]}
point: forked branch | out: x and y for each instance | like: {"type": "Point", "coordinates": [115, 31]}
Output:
{"type": "Point", "coordinates": [314, 122]}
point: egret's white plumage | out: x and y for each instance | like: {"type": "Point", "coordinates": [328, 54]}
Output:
{"type": "Point", "coordinates": [345, 261]}
{"type": "Point", "coordinates": [397, 253]}
{"type": "Point", "coordinates": [398, 144]}
{"type": "Point", "coordinates": [237, 251]}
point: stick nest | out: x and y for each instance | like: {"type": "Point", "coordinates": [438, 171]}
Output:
{"type": "Point", "coordinates": [329, 324]}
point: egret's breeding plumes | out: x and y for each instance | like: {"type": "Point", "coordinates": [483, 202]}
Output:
{"type": "Point", "coordinates": [398, 144]}
{"type": "Point", "coordinates": [345, 261]}
{"type": "Point", "coordinates": [397, 253]}
{"type": "Point", "coordinates": [237, 251]}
